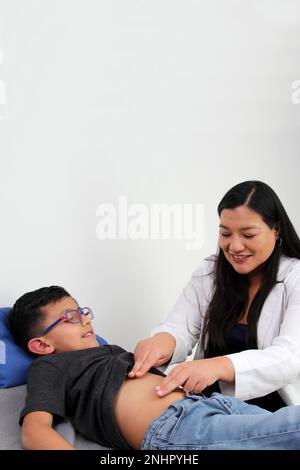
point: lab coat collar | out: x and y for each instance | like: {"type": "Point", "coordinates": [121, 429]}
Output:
{"type": "Point", "coordinates": [285, 265]}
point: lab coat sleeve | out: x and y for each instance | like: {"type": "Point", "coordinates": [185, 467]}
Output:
{"type": "Point", "coordinates": [184, 322]}
{"type": "Point", "coordinates": [262, 371]}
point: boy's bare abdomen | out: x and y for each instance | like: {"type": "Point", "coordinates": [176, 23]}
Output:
{"type": "Point", "coordinates": [137, 405]}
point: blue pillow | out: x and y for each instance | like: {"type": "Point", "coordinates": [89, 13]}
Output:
{"type": "Point", "coordinates": [14, 361]}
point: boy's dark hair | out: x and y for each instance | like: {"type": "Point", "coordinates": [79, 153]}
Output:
{"type": "Point", "coordinates": [26, 318]}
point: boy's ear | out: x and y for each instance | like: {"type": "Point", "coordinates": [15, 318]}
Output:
{"type": "Point", "coordinates": [40, 346]}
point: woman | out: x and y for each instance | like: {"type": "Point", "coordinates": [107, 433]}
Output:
{"type": "Point", "coordinates": [241, 308]}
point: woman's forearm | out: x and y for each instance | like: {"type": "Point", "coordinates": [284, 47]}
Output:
{"type": "Point", "coordinates": [226, 370]}
{"type": "Point", "coordinates": [168, 344]}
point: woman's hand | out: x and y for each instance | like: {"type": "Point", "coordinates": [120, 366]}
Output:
{"type": "Point", "coordinates": [152, 352]}
{"type": "Point", "coordinates": [196, 375]}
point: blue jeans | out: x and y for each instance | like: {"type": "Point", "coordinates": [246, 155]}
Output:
{"type": "Point", "coordinates": [221, 422]}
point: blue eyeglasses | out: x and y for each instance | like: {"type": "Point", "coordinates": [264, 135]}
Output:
{"type": "Point", "coordinates": [71, 316]}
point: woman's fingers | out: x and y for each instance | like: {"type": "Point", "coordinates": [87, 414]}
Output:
{"type": "Point", "coordinates": [193, 385]}
{"type": "Point", "coordinates": [152, 352]}
{"type": "Point", "coordinates": [146, 355]}
{"type": "Point", "coordinates": [174, 379]}
{"type": "Point", "coordinates": [138, 365]}
{"type": "Point", "coordinates": [191, 375]}
{"type": "Point", "coordinates": [199, 387]}
{"type": "Point", "coordinates": [143, 363]}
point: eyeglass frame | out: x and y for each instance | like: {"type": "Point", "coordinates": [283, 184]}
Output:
{"type": "Point", "coordinates": [64, 317]}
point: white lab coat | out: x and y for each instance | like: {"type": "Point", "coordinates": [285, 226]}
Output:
{"type": "Point", "coordinates": [276, 364]}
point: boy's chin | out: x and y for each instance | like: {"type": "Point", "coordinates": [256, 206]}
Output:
{"type": "Point", "coordinates": [90, 344]}
{"type": "Point", "coordinates": [78, 347]}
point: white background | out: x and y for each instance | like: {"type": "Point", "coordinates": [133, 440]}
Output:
{"type": "Point", "coordinates": [163, 101]}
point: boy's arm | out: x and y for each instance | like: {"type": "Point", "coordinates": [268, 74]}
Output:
{"type": "Point", "coordinates": [38, 434]}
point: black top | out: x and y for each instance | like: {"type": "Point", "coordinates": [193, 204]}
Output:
{"type": "Point", "coordinates": [237, 342]}
{"type": "Point", "coordinates": [81, 385]}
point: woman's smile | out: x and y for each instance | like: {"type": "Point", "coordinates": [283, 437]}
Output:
{"type": "Point", "coordinates": [240, 258]}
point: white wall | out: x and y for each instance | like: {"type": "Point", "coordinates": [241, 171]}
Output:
{"type": "Point", "coordinates": [162, 101]}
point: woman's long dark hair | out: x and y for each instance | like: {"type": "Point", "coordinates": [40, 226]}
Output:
{"type": "Point", "coordinates": [230, 295]}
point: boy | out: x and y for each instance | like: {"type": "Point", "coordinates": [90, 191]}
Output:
{"type": "Point", "coordinates": [75, 377]}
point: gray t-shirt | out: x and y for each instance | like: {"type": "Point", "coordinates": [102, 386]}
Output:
{"type": "Point", "coordinates": [81, 385]}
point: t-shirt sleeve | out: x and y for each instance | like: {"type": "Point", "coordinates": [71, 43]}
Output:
{"type": "Point", "coordinates": [45, 391]}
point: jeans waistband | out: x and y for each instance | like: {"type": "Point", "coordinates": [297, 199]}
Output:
{"type": "Point", "coordinates": [179, 404]}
